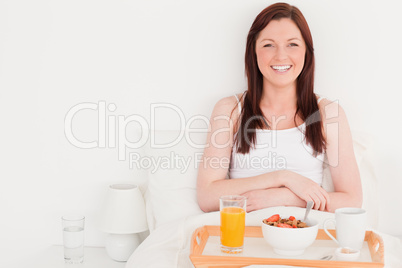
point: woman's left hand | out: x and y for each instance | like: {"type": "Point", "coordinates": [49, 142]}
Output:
{"type": "Point", "coordinates": [259, 199]}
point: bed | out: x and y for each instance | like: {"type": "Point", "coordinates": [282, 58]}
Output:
{"type": "Point", "coordinates": [173, 213]}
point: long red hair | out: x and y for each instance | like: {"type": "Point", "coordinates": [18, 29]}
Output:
{"type": "Point", "coordinates": [251, 116]}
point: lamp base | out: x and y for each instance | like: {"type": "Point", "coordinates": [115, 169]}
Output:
{"type": "Point", "coordinates": [119, 247]}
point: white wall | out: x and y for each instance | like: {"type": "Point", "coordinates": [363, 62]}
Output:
{"type": "Point", "coordinates": [57, 54]}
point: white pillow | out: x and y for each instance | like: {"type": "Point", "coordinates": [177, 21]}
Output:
{"type": "Point", "coordinates": [364, 158]}
{"type": "Point", "coordinates": [172, 190]}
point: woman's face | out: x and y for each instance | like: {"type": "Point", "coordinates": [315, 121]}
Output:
{"type": "Point", "coordinates": [280, 50]}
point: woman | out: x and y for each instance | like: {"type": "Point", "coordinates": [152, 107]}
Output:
{"type": "Point", "coordinates": [272, 138]}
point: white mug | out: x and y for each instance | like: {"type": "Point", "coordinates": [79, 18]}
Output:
{"type": "Point", "coordinates": [350, 227]}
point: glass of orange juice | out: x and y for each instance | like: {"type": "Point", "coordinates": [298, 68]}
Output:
{"type": "Point", "coordinates": [233, 221]}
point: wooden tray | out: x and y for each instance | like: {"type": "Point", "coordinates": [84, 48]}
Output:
{"type": "Point", "coordinates": [201, 236]}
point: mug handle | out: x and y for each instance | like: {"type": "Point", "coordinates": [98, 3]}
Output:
{"type": "Point", "coordinates": [326, 231]}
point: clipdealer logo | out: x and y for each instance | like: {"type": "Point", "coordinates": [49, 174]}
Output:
{"type": "Point", "coordinates": [112, 133]}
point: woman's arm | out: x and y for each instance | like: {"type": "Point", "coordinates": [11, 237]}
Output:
{"type": "Point", "coordinates": [212, 171]}
{"type": "Point", "coordinates": [341, 158]}
{"type": "Point", "coordinates": [297, 190]}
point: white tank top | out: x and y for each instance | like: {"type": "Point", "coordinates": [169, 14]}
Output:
{"type": "Point", "coordinates": [277, 150]}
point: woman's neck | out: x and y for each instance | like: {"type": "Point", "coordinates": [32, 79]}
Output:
{"type": "Point", "coordinates": [279, 99]}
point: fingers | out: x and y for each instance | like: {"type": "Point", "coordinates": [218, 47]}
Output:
{"type": "Point", "coordinates": [323, 202]}
{"type": "Point", "coordinates": [310, 191]}
{"type": "Point", "coordinates": [249, 208]}
{"type": "Point", "coordinates": [319, 196]}
{"type": "Point", "coordinates": [317, 202]}
{"type": "Point", "coordinates": [320, 200]}
{"type": "Point", "coordinates": [326, 197]}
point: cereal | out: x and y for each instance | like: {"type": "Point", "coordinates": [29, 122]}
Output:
{"type": "Point", "coordinates": [291, 222]}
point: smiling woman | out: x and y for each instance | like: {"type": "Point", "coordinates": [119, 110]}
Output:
{"type": "Point", "coordinates": [279, 115]}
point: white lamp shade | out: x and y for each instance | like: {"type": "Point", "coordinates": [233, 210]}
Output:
{"type": "Point", "coordinates": [124, 211]}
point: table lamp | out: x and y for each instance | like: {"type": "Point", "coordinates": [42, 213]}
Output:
{"type": "Point", "coordinates": [123, 218]}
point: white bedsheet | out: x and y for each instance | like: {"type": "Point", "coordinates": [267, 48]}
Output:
{"type": "Point", "coordinates": [169, 244]}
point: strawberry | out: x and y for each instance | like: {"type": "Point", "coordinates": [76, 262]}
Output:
{"type": "Point", "coordinates": [291, 218]}
{"type": "Point", "coordinates": [284, 225]}
{"type": "Point", "coordinates": [274, 218]}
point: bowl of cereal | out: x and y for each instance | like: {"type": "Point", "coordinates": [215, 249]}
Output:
{"type": "Point", "coordinates": [289, 236]}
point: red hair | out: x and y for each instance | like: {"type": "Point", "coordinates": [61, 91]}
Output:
{"type": "Point", "coordinates": [251, 116]}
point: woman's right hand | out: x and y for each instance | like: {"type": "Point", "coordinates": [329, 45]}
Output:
{"type": "Point", "coordinates": [306, 189]}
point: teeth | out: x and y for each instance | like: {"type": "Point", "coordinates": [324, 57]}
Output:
{"type": "Point", "coordinates": [281, 67]}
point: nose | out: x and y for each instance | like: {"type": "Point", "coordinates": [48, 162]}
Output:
{"type": "Point", "coordinates": [281, 54]}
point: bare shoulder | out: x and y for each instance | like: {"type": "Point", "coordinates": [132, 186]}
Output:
{"type": "Point", "coordinates": [331, 111]}
{"type": "Point", "coordinates": [226, 102]}
{"type": "Point", "coordinates": [227, 106]}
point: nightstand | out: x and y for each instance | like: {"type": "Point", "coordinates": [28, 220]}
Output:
{"type": "Point", "coordinates": [52, 257]}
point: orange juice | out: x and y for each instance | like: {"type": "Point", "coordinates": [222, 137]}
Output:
{"type": "Point", "coordinates": [232, 226]}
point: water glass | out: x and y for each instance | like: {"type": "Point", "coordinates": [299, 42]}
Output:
{"type": "Point", "coordinates": [233, 221]}
{"type": "Point", "coordinates": [73, 238]}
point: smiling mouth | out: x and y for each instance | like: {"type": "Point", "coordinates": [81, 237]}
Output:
{"type": "Point", "coordinates": [281, 68]}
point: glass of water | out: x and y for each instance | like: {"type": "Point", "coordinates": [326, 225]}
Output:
{"type": "Point", "coordinates": [73, 238]}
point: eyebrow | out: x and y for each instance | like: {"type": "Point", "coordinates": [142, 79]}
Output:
{"type": "Point", "coordinates": [293, 38]}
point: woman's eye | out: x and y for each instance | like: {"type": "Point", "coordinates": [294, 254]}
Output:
{"type": "Point", "coordinates": [268, 45]}
{"type": "Point", "coordinates": [293, 45]}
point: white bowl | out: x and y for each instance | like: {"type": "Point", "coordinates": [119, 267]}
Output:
{"type": "Point", "coordinates": [290, 241]}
